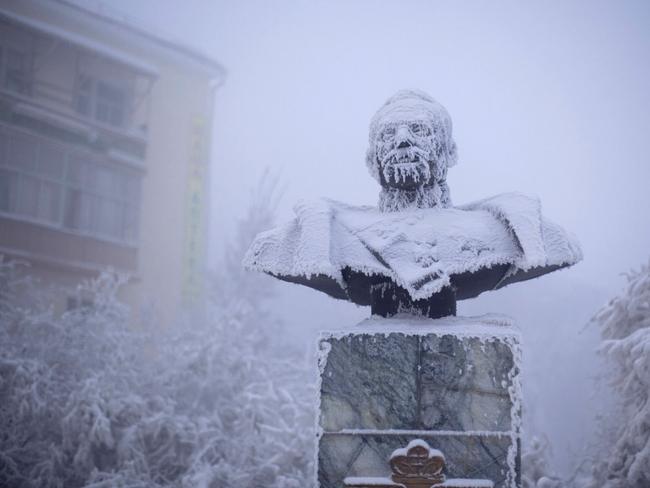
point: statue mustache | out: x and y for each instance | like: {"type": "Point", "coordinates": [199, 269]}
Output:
{"type": "Point", "coordinates": [396, 155]}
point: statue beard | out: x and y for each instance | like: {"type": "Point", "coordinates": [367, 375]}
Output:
{"type": "Point", "coordinates": [405, 168]}
{"type": "Point", "coordinates": [411, 183]}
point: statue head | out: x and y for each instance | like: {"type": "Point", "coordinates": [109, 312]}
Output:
{"type": "Point", "coordinates": [410, 149]}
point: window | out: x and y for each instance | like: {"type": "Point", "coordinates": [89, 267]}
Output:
{"type": "Point", "coordinates": [99, 200]}
{"type": "Point", "coordinates": [102, 100]}
{"type": "Point", "coordinates": [14, 69]}
{"type": "Point", "coordinates": [67, 188]}
{"type": "Point", "coordinates": [111, 104]}
{"type": "Point", "coordinates": [32, 177]}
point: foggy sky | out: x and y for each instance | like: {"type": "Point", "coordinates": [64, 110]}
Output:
{"type": "Point", "coordinates": [547, 98]}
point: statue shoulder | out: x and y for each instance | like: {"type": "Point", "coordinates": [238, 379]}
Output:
{"type": "Point", "coordinates": [543, 242]}
{"type": "Point", "coordinates": [311, 244]}
{"type": "Point", "coordinates": [508, 203]}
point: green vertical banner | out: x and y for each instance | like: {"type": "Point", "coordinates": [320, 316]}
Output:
{"type": "Point", "coordinates": [195, 236]}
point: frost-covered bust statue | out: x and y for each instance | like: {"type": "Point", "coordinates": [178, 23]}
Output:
{"type": "Point", "coordinates": [415, 253]}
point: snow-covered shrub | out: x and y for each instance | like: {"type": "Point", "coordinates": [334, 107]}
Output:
{"type": "Point", "coordinates": [535, 469]}
{"type": "Point", "coordinates": [53, 428]}
{"type": "Point", "coordinates": [87, 401]}
{"type": "Point", "coordinates": [623, 457]}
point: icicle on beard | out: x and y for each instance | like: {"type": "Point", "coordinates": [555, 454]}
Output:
{"type": "Point", "coordinates": [411, 180]}
{"type": "Point", "coordinates": [404, 167]}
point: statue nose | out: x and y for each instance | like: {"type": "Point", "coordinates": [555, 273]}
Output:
{"type": "Point", "coordinates": [403, 138]}
{"type": "Point", "coordinates": [404, 144]}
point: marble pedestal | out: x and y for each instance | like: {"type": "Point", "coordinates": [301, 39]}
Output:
{"type": "Point", "coordinates": [453, 382]}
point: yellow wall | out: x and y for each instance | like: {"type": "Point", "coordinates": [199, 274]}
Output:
{"type": "Point", "coordinates": [176, 100]}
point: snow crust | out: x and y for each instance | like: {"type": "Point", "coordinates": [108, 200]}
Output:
{"type": "Point", "coordinates": [516, 395]}
{"type": "Point", "coordinates": [419, 249]}
{"type": "Point", "coordinates": [466, 483]}
{"type": "Point", "coordinates": [368, 481]}
{"type": "Point", "coordinates": [424, 433]}
{"type": "Point", "coordinates": [488, 326]}
{"type": "Point", "coordinates": [403, 451]}
{"type": "Point", "coordinates": [449, 483]}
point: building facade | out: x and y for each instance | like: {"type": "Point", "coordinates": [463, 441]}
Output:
{"type": "Point", "coordinates": [104, 149]}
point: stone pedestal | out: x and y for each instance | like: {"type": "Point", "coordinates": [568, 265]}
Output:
{"type": "Point", "coordinates": [452, 382]}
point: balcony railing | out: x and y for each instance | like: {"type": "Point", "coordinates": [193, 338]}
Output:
{"type": "Point", "coordinates": [68, 189]}
{"type": "Point", "coordinates": [125, 118]}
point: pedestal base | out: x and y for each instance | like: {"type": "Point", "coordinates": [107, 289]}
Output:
{"type": "Point", "coordinates": [453, 382]}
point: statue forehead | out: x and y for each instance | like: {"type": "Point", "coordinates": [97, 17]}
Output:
{"type": "Point", "coordinates": [404, 121]}
{"type": "Point", "coordinates": [410, 110]}
{"type": "Point", "coordinates": [406, 110]}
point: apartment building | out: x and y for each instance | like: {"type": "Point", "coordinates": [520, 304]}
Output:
{"type": "Point", "coordinates": [104, 148]}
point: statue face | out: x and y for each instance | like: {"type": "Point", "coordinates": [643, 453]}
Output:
{"type": "Point", "coordinates": [410, 149]}
{"type": "Point", "coordinates": [406, 154]}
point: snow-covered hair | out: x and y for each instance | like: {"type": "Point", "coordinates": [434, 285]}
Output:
{"type": "Point", "coordinates": [415, 105]}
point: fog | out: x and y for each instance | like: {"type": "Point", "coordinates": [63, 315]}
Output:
{"type": "Point", "coordinates": [547, 98]}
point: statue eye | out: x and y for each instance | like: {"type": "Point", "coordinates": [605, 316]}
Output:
{"type": "Point", "coordinates": [388, 133]}
{"type": "Point", "coordinates": [420, 130]}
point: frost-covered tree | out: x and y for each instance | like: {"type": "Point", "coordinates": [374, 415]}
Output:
{"type": "Point", "coordinates": [62, 381]}
{"type": "Point", "coordinates": [86, 401]}
{"type": "Point", "coordinates": [623, 460]}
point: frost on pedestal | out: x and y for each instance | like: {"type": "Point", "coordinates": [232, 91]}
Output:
{"type": "Point", "coordinates": [452, 383]}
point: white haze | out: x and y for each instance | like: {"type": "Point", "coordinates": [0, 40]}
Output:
{"type": "Point", "coordinates": [547, 98]}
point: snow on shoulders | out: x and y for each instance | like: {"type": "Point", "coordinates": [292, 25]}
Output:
{"type": "Point", "coordinates": [419, 249]}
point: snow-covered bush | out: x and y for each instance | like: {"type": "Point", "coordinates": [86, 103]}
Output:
{"type": "Point", "coordinates": [56, 376]}
{"type": "Point", "coordinates": [535, 469]}
{"type": "Point", "coordinates": [87, 401]}
{"type": "Point", "coordinates": [623, 456]}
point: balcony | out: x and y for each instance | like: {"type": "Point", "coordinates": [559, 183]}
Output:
{"type": "Point", "coordinates": [73, 139]}
{"type": "Point", "coordinates": [65, 205]}
{"type": "Point", "coordinates": [46, 76]}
